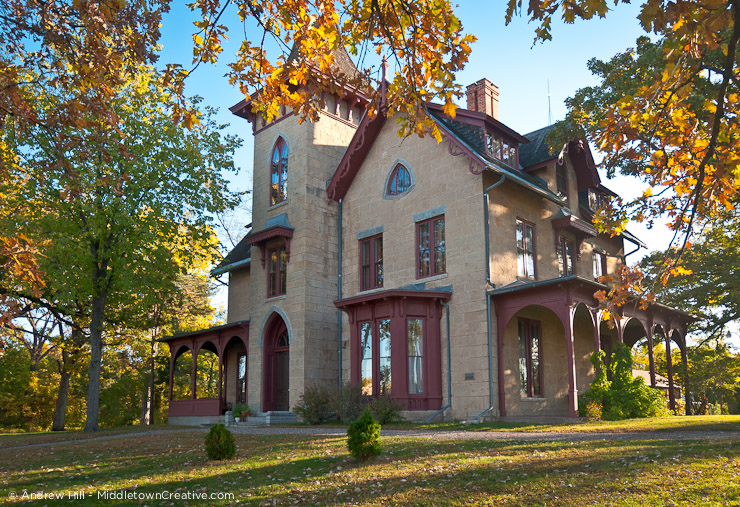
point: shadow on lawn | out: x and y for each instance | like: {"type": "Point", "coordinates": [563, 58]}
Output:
{"type": "Point", "coordinates": [415, 471]}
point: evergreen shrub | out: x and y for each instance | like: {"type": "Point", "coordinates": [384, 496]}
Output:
{"type": "Point", "coordinates": [363, 437]}
{"type": "Point", "coordinates": [220, 443]}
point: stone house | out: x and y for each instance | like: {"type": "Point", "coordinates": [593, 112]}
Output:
{"type": "Point", "coordinates": [456, 277]}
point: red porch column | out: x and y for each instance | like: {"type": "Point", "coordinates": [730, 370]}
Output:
{"type": "Point", "coordinates": [195, 365]}
{"type": "Point", "coordinates": [220, 381]}
{"type": "Point", "coordinates": [172, 368]}
{"type": "Point", "coordinates": [572, 391]}
{"type": "Point", "coordinates": [669, 365]}
{"type": "Point", "coordinates": [651, 359]}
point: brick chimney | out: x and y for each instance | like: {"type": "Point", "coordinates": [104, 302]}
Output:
{"type": "Point", "coordinates": [483, 97]}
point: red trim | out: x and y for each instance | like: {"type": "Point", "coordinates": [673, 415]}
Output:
{"type": "Point", "coordinates": [274, 278]}
{"type": "Point", "coordinates": [398, 306]}
{"type": "Point", "coordinates": [583, 164]}
{"type": "Point", "coordinates": [529, 276]}
{"type": "Point", "coordinates": [270, 348]}
{"type": "Point", "coordinates": [432, 247]}
{"type": "Point", "coordinates": [364, 138]}
{"type": "Point", "coordinates": [262, 237]}
{"type": "Point", "coordinates": [481, 119]}
{"type": "Point", "coordinates": [372, 264]}
{"type": "Point", "coordinates": [404, 187]}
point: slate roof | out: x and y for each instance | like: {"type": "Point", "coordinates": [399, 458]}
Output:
{"type": "Point", "coordinates": [240, 252]}
{"type": "Point", "coordinates": [536, 150]}
{"type": "Point", "coordinates": [474, 137]}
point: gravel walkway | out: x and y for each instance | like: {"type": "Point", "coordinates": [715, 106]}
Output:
{"type": "Point", "coordinates": [549, 436]}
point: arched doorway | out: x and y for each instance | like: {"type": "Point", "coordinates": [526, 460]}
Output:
{"type": "Point", "coordinates": [276, 367]}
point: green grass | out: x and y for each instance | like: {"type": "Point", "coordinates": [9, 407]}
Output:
{"type": "Point", "coordinates": [309, 470]}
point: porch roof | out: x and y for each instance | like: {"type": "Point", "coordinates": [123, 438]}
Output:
{"type": "Point", "coordinates": [574, 281]}
{"type": "Point", "coordinates": [215, 329]}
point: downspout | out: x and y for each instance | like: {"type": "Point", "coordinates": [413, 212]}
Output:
{"type": "Point", "coordinates": [449, 370]}
{"type": "Point", "coordinates": [489, 283]}
{"type": "Point", "coordinates": [339, 293]}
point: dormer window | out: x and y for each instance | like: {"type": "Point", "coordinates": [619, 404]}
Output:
{"type": "Point", "coordinates": [500, 149]}
{"type": "Point", "coordinates": [561, 180]}
{"type": "Point", "coordinates": [596, 199]}
{"type": "Point", "coordinates": [279, 173]}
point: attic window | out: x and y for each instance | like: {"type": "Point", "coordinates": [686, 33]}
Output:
{"type": "Point", "coordinates": [501, 150]}
{"type": "Point", "coordinates": [597, 200]}
{"type": "Point", "coordinates": [400, 181]}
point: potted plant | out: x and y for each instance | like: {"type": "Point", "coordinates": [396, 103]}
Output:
{"type": "Point", "coordinates": [242, 411]}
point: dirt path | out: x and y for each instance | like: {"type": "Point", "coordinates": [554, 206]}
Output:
{"type": "Point", "coordinates": [546, 436]}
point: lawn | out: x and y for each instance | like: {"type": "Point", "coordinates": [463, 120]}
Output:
{"type": "Point", "coordinates": [312, 470]}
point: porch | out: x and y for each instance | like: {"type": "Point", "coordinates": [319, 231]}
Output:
{"type": "Point", "coordinates": [208, 373]}
{"type": "Point", "coordinates": [535, 320]}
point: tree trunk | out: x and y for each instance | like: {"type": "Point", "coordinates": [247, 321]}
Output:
{"type": "Point", "coordinates": [60, 411]}
{"type": "Point", "coordinates": [96, 354]}
{"type": "Point", "coordinates": [147, 402]}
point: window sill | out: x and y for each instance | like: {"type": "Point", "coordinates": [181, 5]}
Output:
{"type": "Point", "coordinates": [275, 298]}
{"type": "Point", "coordinates": [534, 399]}
{"type": "Point", "coordinates": [370, 291]}
{"type": "Point", "coordinates": [526, 278]}
{"type": "Point", "coordinates": [433, 278]}
{"type": "Point", "coordinates": [281, 203]}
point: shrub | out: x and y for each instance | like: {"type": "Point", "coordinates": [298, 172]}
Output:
{"type": "Point", "coordinates": [241, 409]}
{"type": "Point", "coordinates": [348, 403]}
{"type": "Point", "coordinates": [385, 410]}
{"type": "Point", "coordinates": [315, 405]}
{"type": "Point", "coordinates": [624, 396]}
{"type": "Point", "coordinates": [594, 411]}
{"type": "Point", "coordinates": [363, 437]}
{"type": "Point", "coordinates": [220, 443]}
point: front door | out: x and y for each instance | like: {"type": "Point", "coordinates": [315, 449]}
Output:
{"type": "Point", "coordinates": [281, 381]}
{"type": "Point", "coordinates": [276, 373]}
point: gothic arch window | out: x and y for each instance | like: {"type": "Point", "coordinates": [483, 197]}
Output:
{"type": "Point", "coordinates": [279, 172]}
{"type": "Point", "coordinates": [400, 181]}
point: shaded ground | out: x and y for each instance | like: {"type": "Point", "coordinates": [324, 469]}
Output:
{"type": "Point", "coordinates": [417, 467]}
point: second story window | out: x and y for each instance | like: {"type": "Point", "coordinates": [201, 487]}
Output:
{"type": "Point", "coordinates": [599, 260]}
{"type": "Point", "coordinates": [276, 276]}
{"type": "Point", "coordinates": [525, 249]}
{"type": "Point", "coordinates": [279, 173]}
{"type": "Point", "coordinates": [566, 259]}
{"type": "Point", "coordinates": [399, 182]}
{"type": "Point", "coordinates": [431, 247]}
{"type": "Point", "coordinates": [561, 180]}
{"type": "Point", "coordinates": [371, 263]}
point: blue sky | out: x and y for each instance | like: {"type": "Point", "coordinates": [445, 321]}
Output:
{"type": "Point", "coordinates": [503, 54]}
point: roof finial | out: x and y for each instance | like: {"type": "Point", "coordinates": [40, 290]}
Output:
{"type": "Point", "coordinates": [384, 85]}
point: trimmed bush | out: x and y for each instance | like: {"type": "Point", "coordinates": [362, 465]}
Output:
{"type": "Point", "coordinates": [363, 437]}
{"type": "Point", "coordinates": [624, 396]}
{"type": "Point", "coordinates": [315, 405]}
{"type": "Point", "coordinates": [385, 410]}
{"type": "Point", "coordinates": [220, 443]}
{"type": "Point", "coordinates": [348, 403]}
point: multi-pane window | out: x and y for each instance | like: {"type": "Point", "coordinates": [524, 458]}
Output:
{"type": "Point", "coordinates": [400, 181]}
{"type": "Point", "coordinates": [371, 263]}
{"type": "Point", "coordinates": [366, 358]}
{"type": "Point", "coordinates": [597, 200]}
{"type": "Point", "coordinates": [375, 374]}
{"type": "Point", "coordinates": [566, 259]}
{"type": "Point", "coordinates": [416, 356]}
{"type": "Point", "coordinates": [431, 247]}
{"type": "Point", "coordinates": [525, 249]}
{"type": "Point", "coordinates": [241, 383]}
{"type": "Point", "coordinates": [530, 372]}
{"type": "Point", "coordinates": [561, 180]}
{"type": "Point", "coordinates": [500, 149]}
{"type": "Point", "coordinates": [276, 276]}
{"type": "Point", "coordinates": [599, 261]}
{"type": "Point", "coordinates": [279, 173]}
{"type": "Point", "coordinates": [384, 356]}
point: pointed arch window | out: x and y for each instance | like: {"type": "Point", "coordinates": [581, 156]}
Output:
{"type": "Point", "coordinates": [399, 181]}
{"type": "Point", "coordinates": [279, 172]}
